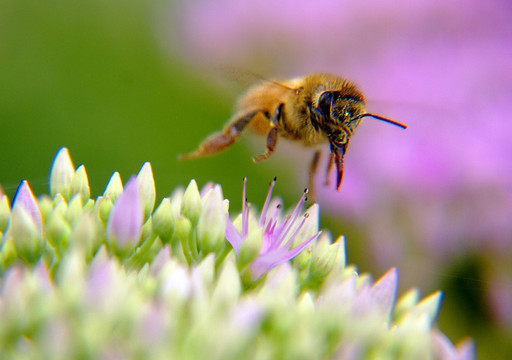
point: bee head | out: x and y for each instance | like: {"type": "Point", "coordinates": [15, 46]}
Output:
{"type": "Point", "coordinates": [340, 108]}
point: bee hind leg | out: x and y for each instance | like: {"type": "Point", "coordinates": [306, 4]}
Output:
{"type": "Point", "coordinates": [272, 135]}
{"type": "Point", "coordinates": [221, 140]}
{"type": "Point", "coordinates": [211, 145]}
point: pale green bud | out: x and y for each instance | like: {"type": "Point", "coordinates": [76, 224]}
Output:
{"type": "Point", "coordinates": [429, 306]}
{"type": "Point", "coordinates": [25, 235]}
{"type": "Point", "coordinates": [75, 209]}
{"type": "Point", "coordinates": [85, 233]}
{"type": "Point", "coordinates": [26, 224]}
{"type": "Point", "coordinates": [182, 231]}
{"type": "Point", "coordinates": [250, 248]}
{"type": "Point", "coordinates": [147, 230]}
{"type": "Point", "coordinates": [5, 212]}
{"type": "Point", "coordinates": [207, 270]}
{"type": "Point", "coordinates": [58, 231]}
{"type": "Point", "coordinates": [147, 189]}
{"type": "Point", "coordinates": [71, 275]}
{"type": "Point", "coordinates": [406, 302]}
{"type": "Point", "coordinates": [59, 205]}
{"type": "Point", "coordinates": [7, 252]}
{"type": "Point", "coordinates": [89, 205]}
{"type": "Point", "coordinates": [229, 287]}
{"type": "Point", "coordinates": [45, 204]}
{"type": "Point", "coordinates": [114, 187]}
{"type": "Point", "coordinates": [183, 227]}
{"type": "Point", "coordinates": [163, 220]}
{"type": "Point", "coordinates": [211, 225]}
{"type": "Point", "coordinates": [61, 174]}
{"type": "Point", "coordinates": [104, 206]}
{"type": "Point", "coordinates": [80, 183]}
{"type": "Point", "coordinates": [191, 202]}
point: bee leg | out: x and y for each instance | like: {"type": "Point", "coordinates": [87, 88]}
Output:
{"type": "Point", "coordinates": [272, 135]}
{"type": "Point", "coordinates": [329, 170]}
{"type": "Point", "coordinates": [312, 171]}
{"type": "Point", "coordinates": [221, 140]}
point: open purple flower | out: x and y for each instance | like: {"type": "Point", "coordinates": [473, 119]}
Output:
{"type": "Point", "coordinates": [277, 237]}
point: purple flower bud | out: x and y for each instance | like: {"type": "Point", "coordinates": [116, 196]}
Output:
{"type": "Point", "coordinates": [25, 198]}
{"type": "Point", "coordinates": [124, 224]}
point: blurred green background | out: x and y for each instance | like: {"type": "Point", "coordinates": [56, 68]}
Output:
{"type": "Point", "coordinates": [90, 76]}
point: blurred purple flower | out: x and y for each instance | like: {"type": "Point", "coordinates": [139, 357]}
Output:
{"type": "Point", "coordinates": [124, 226]}
{"type": "Point", "coordinates": [277, 237]}
{"type": "Point", "coordinates": [445, 349]}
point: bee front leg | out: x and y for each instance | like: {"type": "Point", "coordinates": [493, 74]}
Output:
{"type": "Point", "coordinates": [312, 171]}
{"type": "Point", "coordinates": [221, 140]}
{"type": "Point", "coordinates": [272, 135]}
{"type": "Point", "coordinates": [329, 169]}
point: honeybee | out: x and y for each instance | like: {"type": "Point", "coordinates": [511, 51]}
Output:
{"type": "Point", "coordinates": [311, 110]}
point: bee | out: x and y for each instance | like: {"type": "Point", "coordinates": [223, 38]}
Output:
{"type": "Point", "coordinates": [311, 110]}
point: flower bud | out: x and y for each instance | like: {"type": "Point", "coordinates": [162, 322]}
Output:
{"type": "Point", "coordinates": [124, 224]}
{"type": "Point", "coordinates": [58, 231]}
{"type": "Point", "coordinates": [191, 202]}
{"type": "Point", "coordinates": [80, 183]}
{"type": "Point", "coordinates": [85, 233]}
{"type": "Point", "coordinates": [250, 248]}
{"type": "Point", "coordinates": [163, 220]}
{"type": "Point", "coordinates": [104, 206]}
{"type": "Point", "coordinates": [114, 187]}
{"type": "Point", "coordinates": [211, 224]}
{"type": "Point", "coordinates": [228, 287]}
{"type": "Point", "coordinates": [25, 234]}
{"type": "Point", "coordinates": [61, 174]}
{"type": "Point", "coordinates": [325, 258]}
{"type": "Point", "coordinates": [45, 204]}
{"type": "Point", "coordinates": [59, 205]}
{"type": "Point", "coordinates": [182, 231]}
{"type": "Point", "coordinates": [5, 212]}
{"type": "Point", "coordinates": [26, 224]}
{"type": "Point", "coordinates": [147, 189]}
{"type": "Point", "coordinates": [75, 209]}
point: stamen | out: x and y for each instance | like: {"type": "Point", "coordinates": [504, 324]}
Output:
{"type": "Point", "coordinates": [263, 218]}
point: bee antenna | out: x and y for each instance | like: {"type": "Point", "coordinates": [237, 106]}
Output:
{"type": "Point", "coordinates": [382, 118]}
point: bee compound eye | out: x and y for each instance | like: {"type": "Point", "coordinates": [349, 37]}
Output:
{"type": "Point", "coordinates": [324, 102]}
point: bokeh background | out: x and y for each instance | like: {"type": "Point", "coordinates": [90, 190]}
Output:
{"type": "Point", "coordinates": [123, 82]}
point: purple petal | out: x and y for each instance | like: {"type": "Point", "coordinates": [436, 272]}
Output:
{"type": "Point", "coordinates": [245, 211]}
{"type": "Point", "coordinates": [232, 235]}
{"type": "Point", "coordinates": [295, 251]}
{"type": "Point", "coordinates": [276, 257]}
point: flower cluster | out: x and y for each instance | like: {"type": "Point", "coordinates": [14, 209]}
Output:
{"type": "Point", "coordinates": [113, 278]}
